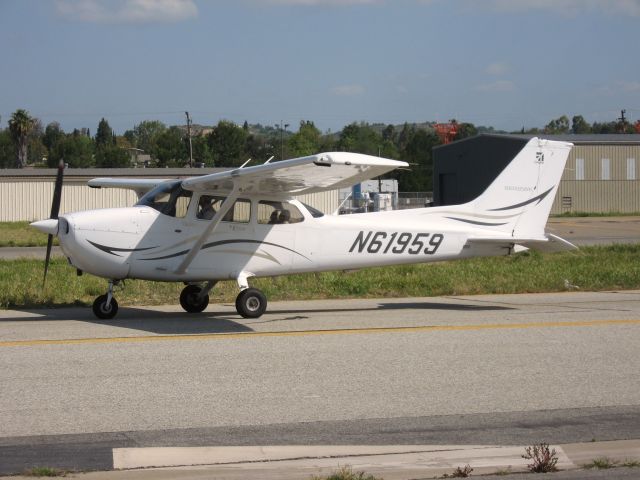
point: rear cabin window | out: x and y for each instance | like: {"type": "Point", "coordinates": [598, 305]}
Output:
{"type": "Point", "coordinates": [208, 206]}
{"type": "Point", "coordinates": [276, 213]}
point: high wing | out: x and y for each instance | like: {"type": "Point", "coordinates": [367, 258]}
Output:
{"type": "Point", "coordinates": [139, 185]}
{"type": "Point", "coordinates": [315, 173]}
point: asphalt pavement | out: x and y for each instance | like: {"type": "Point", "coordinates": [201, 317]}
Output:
{"type": "Point", "coordinates": [452, 374]}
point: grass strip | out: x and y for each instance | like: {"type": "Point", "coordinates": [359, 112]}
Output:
{"type": "Point", "coordinates": [615, 267]}
{"type": "Point", "coordinates": [20, 234]}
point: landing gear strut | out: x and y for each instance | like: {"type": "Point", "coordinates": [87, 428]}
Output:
{"type": "Point", "coordinates": [105, 307]}
{"type": "Point", "coordinates": [194, 299]}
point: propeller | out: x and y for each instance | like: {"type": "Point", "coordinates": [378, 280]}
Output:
{"type": "Point", "coordinates": [55, 209]}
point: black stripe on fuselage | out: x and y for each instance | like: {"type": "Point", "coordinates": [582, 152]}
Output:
{"type": "Point", "coordinates": [110, 250]}
{"type": "Point", "coordinates": [224, 242]}
{"type": "Point", "coordinates": [539, 198]}
{"type": "Point", "coordinates": [475, 222]}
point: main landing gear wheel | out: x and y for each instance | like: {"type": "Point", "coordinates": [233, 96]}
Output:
{"type": "Point", "coordinates": [104, 310]}
{"type": "Point", "coordinates": [191, 300]}
{"type": "Point", "coordinates": [251, 303]}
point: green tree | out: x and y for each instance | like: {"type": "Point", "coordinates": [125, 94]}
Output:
{"type": "Point", "coordinates": [20, 125]}
{"type": "Point", "coordinates": [418, 152]}
{"type": "Point", "coordinates": [406, 134]}
{"type": "Point", "coordinates": [604, 127]}
{"type": "Point", "coordinates": [389, 133]}
{"type": "Point", "coordinates": [580, 125]}
{"type": "Point", "coordinates": [36, 149]}
{"type": "Point", "coordinates": [7, 150]}
{"type": "Point", "coordinates": [170, 148]}
{"type": "Point", "coordinates": [76, 150]}
{"type": "Point", "coordinates": [145, 134]}
{"type": "Point", "coordinates": [306, 141]}
{"type": "Point", "coordinates": [201, 151]}
{"type": "Point", "coordinates": [52, 135]}
{"type": "Point", "coordinates": [104, 135]}
{"type": "Point", "coordinates": [111, 156]}
{"type": "Point", "coordinates": [259, 147]}
{"type": "Point", "coordinates": [466, 130]}
{"type": "Point", "coordinates": [227, 144]}
{"type": "Point", "coordinates": [558, 126]}
{"type": "Point", "coordinates": [360, 138]}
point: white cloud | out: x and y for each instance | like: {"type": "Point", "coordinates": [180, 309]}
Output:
{"type": "Point", "coordinates": [497, 68]}
{"type": "Point", "coordinates": [347, 90]}
{"type": "Point", "coordinates": [127, 11]}
{"type": "Point", "coordinates": [497, 86]}
{"type": "Point", "coordinates": [570, 7]}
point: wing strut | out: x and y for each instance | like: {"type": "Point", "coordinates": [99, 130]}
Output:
{"type": "Point", "coordinates": [217, 218]}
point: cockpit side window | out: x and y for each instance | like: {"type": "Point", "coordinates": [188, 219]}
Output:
{"type": "Point", "coordinates": [208, 206]}
{"type": "Point", "coordinates": [273, 213]}
{"type": "Point", "coordinates": [169, 199]}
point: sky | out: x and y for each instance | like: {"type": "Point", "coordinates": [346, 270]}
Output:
{"type": "Point", "coordinates": [502, 63]}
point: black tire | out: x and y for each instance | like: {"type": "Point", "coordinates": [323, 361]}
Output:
{"type": "Point", "coordinates": [251, 303]}
{"type": "Point", "coordinates": [105, 311]}
{"type": "Point", "coordinates": [189, 299]}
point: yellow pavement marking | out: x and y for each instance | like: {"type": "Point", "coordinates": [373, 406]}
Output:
{"type": "Point", "coordinates": [303, 333]}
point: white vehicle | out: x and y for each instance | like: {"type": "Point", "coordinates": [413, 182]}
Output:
{"type": "Point", "coordinates": [245, 223]}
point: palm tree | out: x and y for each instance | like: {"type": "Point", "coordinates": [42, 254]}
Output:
{"type": "Point", "coordinates": [20, 126]}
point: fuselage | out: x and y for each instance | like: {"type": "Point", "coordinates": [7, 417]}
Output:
{"type": "Point", "coordinates": [142, 242]}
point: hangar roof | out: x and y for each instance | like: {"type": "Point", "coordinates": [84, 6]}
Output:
{"type": "Point", "coordinates": [600, 139]}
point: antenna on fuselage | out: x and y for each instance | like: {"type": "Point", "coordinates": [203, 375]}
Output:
{"type": "Point", "coordinates": [245, 163]}
{"type": "Point", "coordinates": [270, 158]}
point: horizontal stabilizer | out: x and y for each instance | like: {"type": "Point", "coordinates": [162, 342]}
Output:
{"type": "Point", "coordinates": [550, 243]}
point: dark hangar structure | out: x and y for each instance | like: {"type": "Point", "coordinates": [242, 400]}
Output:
{"type": "Point", "coordinates": [602, 173]}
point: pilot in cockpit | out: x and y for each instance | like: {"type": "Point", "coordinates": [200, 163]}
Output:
{"type": "Point", "coordinates": [205, 208]}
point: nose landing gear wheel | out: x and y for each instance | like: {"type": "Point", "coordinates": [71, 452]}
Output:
{"type": "Point", "coordinates": [251, 303]}
{"type": "Point", "coordinates": [104, 310]}
{"type": "Point", "coordinates": [191, 301]}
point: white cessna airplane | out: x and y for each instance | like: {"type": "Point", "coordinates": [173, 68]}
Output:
{"type": "Point", "coordinates": [246, 223]}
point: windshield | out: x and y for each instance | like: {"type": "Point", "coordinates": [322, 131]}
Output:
{"type": "Point", "coordinates": [315, 213]}
{"type": "Point", "coordinates": [168, 198]}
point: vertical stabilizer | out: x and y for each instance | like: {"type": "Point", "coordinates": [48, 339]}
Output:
{"type": "Point", "coordinates": [519, 200]}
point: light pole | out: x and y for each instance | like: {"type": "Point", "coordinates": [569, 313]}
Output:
{"type": "Point", "coordinates": [189, 135]}
{"type": "Point", "coordinates": [282, 130]}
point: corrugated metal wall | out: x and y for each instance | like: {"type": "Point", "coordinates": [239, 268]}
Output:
{"type": "Point", "coordinates": [598, 196]}
{"type": "Point", "coordinates": [326, 202]}
{"type": "Point", "coordinates": [593, 194]}
{"type": "Point", "coordinates": [30, 199]}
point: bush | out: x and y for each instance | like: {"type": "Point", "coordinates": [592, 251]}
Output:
{"type": "Point", "coordinates": [543, 459]}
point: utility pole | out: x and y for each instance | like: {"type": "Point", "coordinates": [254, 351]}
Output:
{"type": "Point", "coordinates": [286, 125]}
{"type": "Point", "coordinates": [623, 121]}
{"type": "Point", "coordinates": [189, 135]}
